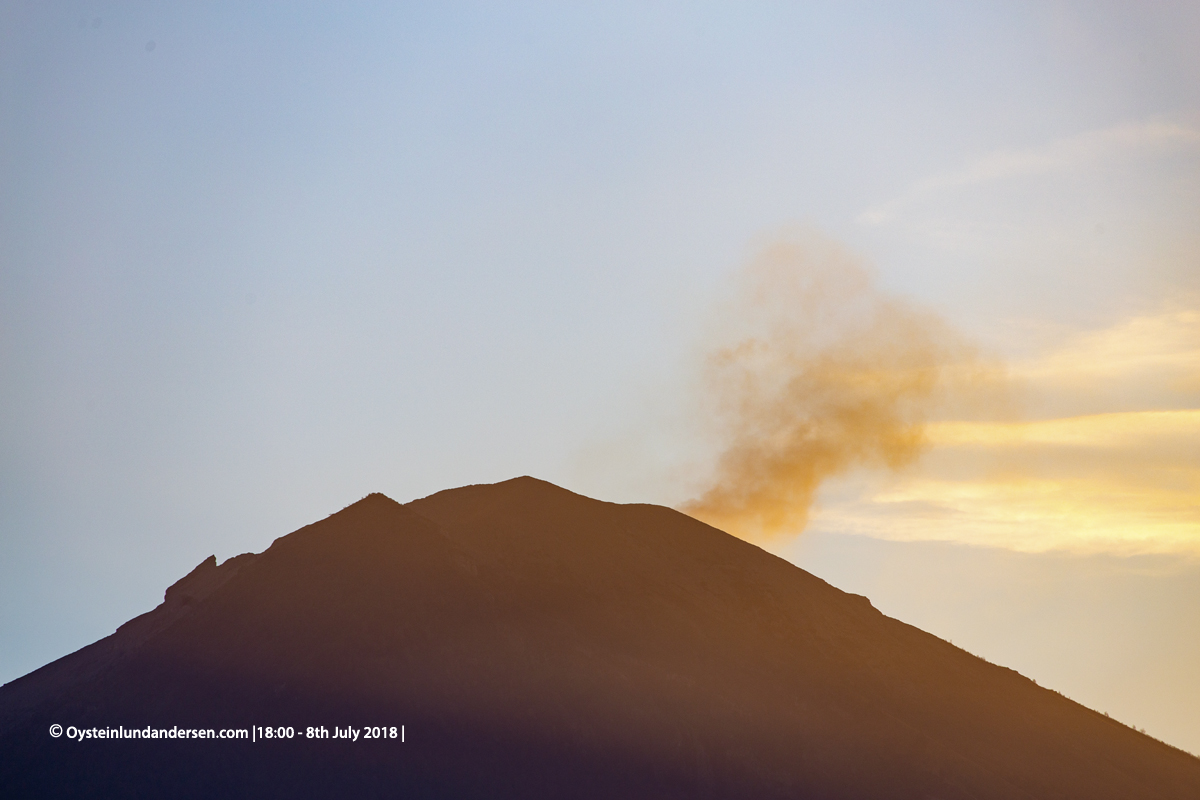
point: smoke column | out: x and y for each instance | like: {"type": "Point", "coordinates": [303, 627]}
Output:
{"type": "Point", "coordinates": [813, 371]}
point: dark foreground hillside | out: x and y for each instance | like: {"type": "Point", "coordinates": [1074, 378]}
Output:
{"type": "Point", "coordinates": [535, 643]}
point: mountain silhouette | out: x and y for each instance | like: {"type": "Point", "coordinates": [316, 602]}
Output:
{"type": "Point", "coordinates": [532, 642]}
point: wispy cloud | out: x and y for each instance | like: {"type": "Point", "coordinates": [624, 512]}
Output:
{"type": "Point", "coordinates": [1063, 154]}
{"type": "Point", "coordinates": [1119, 482]}
{"type": "Point", "coordinates": [1124, 483]}
{"type": "Point", "coordinates": [1166, 346]}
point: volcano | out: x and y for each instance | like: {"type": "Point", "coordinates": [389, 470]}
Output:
{"type": "Point", "coordinates": [519, 640]}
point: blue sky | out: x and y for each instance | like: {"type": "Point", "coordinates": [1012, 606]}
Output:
{"type": "Point", "coordinates": [258, 260]}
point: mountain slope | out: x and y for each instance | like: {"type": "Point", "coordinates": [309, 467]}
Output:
{"type": "Point", "coordinates": [537, 643]}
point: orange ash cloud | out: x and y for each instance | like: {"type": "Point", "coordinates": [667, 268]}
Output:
{"type": "Point", "coordinates": [816, 371]}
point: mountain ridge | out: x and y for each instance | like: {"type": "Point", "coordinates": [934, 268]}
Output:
{"type": "Point", "coordinates": [536, 642]}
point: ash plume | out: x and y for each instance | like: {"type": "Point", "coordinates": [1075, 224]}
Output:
{"type": "Point", "coordinates": [815, 370]}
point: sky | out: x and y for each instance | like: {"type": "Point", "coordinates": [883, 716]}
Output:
{"type": "Point", "coordinates": [260, 260]}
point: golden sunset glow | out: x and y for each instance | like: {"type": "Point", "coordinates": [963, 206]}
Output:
{"type": "Point", "coordinates": [1089, 442]}
{"type": "Point", "coordinates": [1124, 481]}
{"type": "Point", "coordinates": [1158, 353]}
{"type": "Point", "coordinates": [1128, 430]}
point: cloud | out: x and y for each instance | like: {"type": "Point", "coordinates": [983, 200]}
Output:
{"type": "Point", "coordinates": [1124, 481]}
{"type": "Point", "coordinates": [1061, 155]}
{"type": "Point", "coordinates": [1150, 350]}
{"type": "Point", "coordinates": [812, 371]}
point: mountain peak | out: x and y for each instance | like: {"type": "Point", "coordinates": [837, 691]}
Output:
{"type": "Point", "coordinates": [536, 642]}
